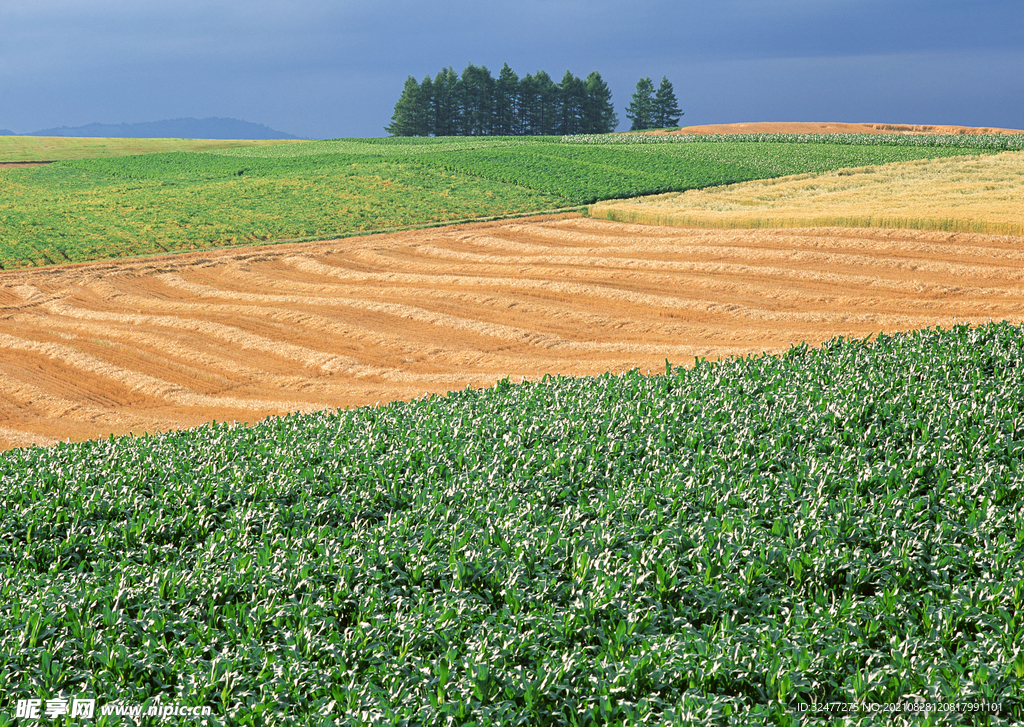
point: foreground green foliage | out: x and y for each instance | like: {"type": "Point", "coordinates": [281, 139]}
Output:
{"type": "Point", "coordinates": [719, 545]}
{"type": "Point", "coordinates": [75, 211]}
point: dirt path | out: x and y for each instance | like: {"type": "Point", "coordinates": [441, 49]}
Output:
{"type": "Point", "coordinates": [173, 342]}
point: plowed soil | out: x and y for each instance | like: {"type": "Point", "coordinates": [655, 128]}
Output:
{"type": "Point", "coordinates": [161, 343]}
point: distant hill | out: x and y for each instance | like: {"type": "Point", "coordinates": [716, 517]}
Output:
{"type": "Point", "coordinates": [210, 128]}
{"type": "Point", "coordinates": [7, 132]}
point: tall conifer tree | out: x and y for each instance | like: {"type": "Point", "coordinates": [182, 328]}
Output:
{"type": "Point", "coordinates": [406, 121]}
{"type": "Point", "coordinates": [549, 112]}
{"type": "Point", "coordinates": [506, 102]}
{"type": "Point", "coordinates": [599, 115]}
{"type": "Point", "coordinates": [572, 95]}
{"type": "Point", "coordinates": [666, 107]}
{"type": "Point", "coordinates": [477, 96]}
{"type": "Point", "coordinates": [529, 106]}
{"type": "Point", "coordinates": [641, 109]}
{"type": "Point", "coordinates": [445, 103]}
{"type": "Point", "coordinates": [425, 108]}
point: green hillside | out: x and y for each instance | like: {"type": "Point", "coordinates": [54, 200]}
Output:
{"type": "Point", "coordinates": [103, 208]}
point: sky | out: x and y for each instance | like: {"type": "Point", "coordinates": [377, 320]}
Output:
{"type": "Point", "coordinates": [333, 68]}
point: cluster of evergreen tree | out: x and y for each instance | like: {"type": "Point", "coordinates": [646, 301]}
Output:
{"type": "Point", "coordinates": [477, 104]}
{"type": "Point", "coordinates": [652, 109]}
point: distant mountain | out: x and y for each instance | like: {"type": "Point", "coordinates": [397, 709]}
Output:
{"type": "Point", "coordinates": [7, 132]}
{"type": "Point", "coordinates": [211, 128]}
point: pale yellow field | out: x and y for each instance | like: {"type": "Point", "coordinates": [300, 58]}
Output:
{"type": "Point", "coordinates": [959, 194]}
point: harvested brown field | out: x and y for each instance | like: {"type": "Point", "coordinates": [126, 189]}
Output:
{"type": "Point", "coordinates": [957, 194]}
{"type": "Point", "coordinates": [804, 127]}
{"type": "Point", "coordinates": [172, 342]}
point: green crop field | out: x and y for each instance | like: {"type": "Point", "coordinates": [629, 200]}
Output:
{"type": "Point", "coordinates": [725, 544]}
{"type": "Point", "coordinates": [102, 208]}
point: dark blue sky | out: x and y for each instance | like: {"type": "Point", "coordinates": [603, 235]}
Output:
{"type": "Point", "coordinates": [326, 69]}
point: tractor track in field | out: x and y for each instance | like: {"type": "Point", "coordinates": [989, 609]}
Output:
{"type": "Point", "coordinates": [170, 342]}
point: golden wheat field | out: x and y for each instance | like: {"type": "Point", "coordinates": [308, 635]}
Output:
{"type": "Point", "coordinates": [959, 194]}
{"type": "Point", "coordinates": [161, 343]}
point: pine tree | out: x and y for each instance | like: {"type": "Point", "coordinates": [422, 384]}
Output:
{"type": "Point", "coordinates": [598, 112]}
{"type": "Point", "coordinates": [445, 103]}
{"type": "Point", "coordinates": [641, 109]}
{"type": "Point", "coordinates": [528, 118]}
{"type": "Point", "coordinates": [666, 107]}
{"type": "Point", "coordinates": [572, 96]}
{"type": "Point", "coordinates": [476, 93]}
{"type": "Point", "coordinates": [548, 104]}
{"type": "Point", "coordinates": [406, 121]}
{"type": "Point", "coordinates": [425, 108]}
{"type": "Point", "coordinates": [506, 102]}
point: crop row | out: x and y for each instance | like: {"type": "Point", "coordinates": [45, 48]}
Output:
{"type": "Point", "coordinates": [725, 542]}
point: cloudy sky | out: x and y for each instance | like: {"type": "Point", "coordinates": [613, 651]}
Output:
{"type": "Point", "coordinates": [330, 68]}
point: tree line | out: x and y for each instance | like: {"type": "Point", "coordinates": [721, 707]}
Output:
{"type": "Point", "coordinates": [477, 104]}
{"type": "Point", "coordinates": [650, 109]}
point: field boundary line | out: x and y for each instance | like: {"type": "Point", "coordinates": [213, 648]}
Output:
{"type": "Point", "coordinates": [582, 210]}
